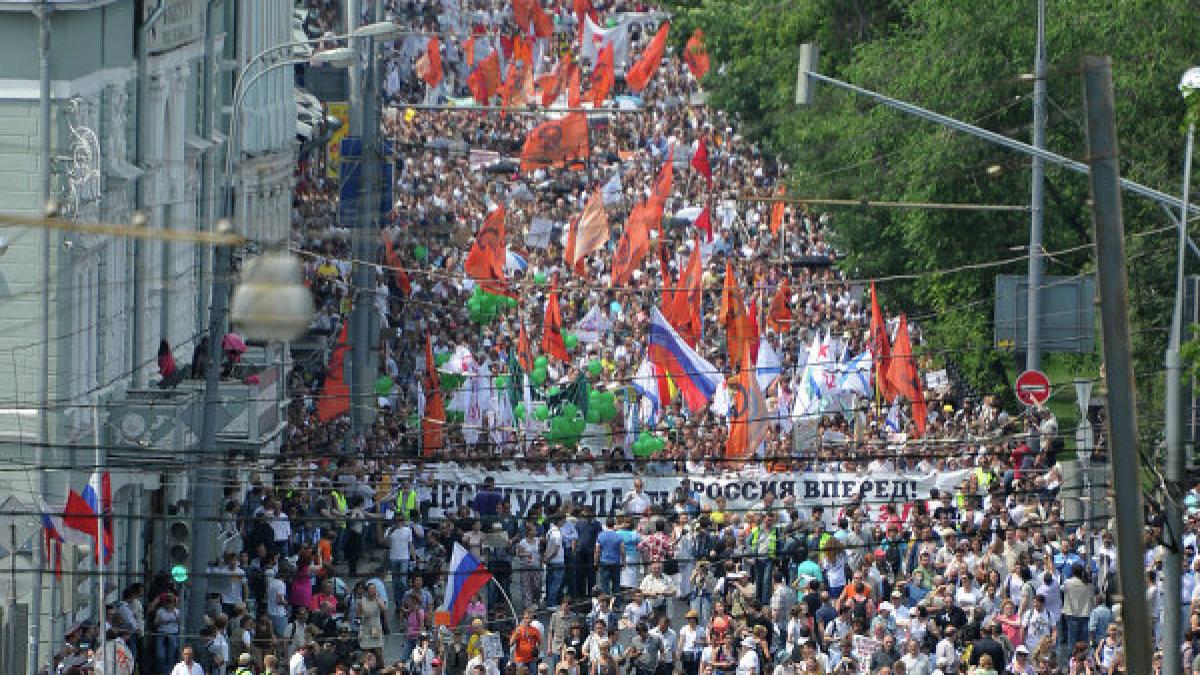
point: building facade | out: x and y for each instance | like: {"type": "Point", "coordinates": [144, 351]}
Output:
{"type": "Point", "coordinates": [139, 108]}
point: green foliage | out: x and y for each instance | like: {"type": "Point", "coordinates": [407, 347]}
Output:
{"type": "Point", "coordinates": [963, 59]}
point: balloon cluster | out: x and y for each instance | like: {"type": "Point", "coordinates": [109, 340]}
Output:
{"type": "Point", "coordinates": [647, 444]}
{"type": "Point", "coordinates": [538, 376]}
{"type": "Point", "coordinates": [484, 307]}
{"type": "Point", "coordinates": [541, 412]}
{"type": "Point", "coordinates": [567, 427]}
{"type": "Point", "coordinates": [602, 406]}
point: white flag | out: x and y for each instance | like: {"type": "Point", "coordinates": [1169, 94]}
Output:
{"type": "Point", "coordinates": [769, 367]}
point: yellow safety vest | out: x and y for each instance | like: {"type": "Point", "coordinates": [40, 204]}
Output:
{"type": "Point", "coordinates": [406, 502]}
{"type": "Point", "coordinates": [341, 504]}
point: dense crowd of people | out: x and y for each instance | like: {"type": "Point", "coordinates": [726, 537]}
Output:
{"type": "Point", "coordinates": [338, 561]}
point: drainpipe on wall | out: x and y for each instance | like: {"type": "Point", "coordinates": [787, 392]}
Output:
{"type": "Point", "coordinates": [136, 260]}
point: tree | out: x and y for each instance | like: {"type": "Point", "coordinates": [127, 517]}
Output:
{"type": "Point", "coordinates": [963, 59]}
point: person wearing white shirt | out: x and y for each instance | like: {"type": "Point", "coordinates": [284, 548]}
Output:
{"type": "Point", "coordinates": [187, 664]}
{"type": "Point", "coordinates": [277, 601]}
{"type": "Point", "coordinates": [748, 662]}
{"type": "Point", "coordinates": [636, 502]}
{"type": "Point", "coordinates": [555, 560]}
{"type": "Point", "coordinates": [400, 554]}
{"type": "Point", "coordinates": [298, 665]}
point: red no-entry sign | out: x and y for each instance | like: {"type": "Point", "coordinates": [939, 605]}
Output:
{"type": "Point", "coordinates": [1033, 387]}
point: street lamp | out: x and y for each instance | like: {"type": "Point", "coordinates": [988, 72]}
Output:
{"type": "Point", "coordinates": [1189, 85]}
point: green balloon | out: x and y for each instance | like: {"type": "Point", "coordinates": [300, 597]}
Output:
{"type": "Point", "coordinates": [593, 416]}
{"type": "Point", "coordinates": [595, 367]}
{"type": "Point", "coordinates": [420, 252]}
{"type": "Point", "coordinates": [519, 411]}
{"type": "Point", "coordinates": [553, 391]}
{"type": "Point", "coordinates": [501, 381]}
{"type": "Point", "coordinates": [569, 410]}
{"type": "Point", "coordinates": [541, 412]}
{"type": "Point", "coordinates": [539, 278]}
{"type": "Point", "coordinates": [441, 358]}
{"type": "Point", "coordinates": [179, 573]}
{"type": "Point", "coordinates": [538, 376]}
{"type": "Point", "coordinates": [541, 362]}
{"type": "Point", "coordinates": [570, 341]}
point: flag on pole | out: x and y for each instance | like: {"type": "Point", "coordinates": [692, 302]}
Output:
{"type": "Point", "coordinates": [588, 233]}
{"type": "Point", "coordinates": [691, 373]}
{"type": "Point", "coordinates": [695, 55]}
{"type": "Point", "coordinates": [748, 423]}
{"type": "Point", "coordinates": [639, 74]}
{"type": "Point", "coordinates": [904, 378]}
{"type": "Point", "coordinates": [335, 394]}
{"type": "Point", "coordinates": [700, 162]}
{"type": "Point", "coordinates": [468, 576]}
{"type": "Point", "coordinates": [769, 365]}
{"type": "Point", "coordinates": [552, 338]}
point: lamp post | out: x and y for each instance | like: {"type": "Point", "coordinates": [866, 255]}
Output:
{"type": "Point", "coordinates": [1189, 85]}
{"type": "Point", "coordinates": [203, 472]}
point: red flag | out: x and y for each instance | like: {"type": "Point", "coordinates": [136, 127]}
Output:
{"type": "Point", "coordinates": [688, 298]}
{"type": "Point", "coordinates": [584, 8]}
{"type": "Point", "coordinates": [485, 260]}
{"type": "Point", "coordinates": [639, 74]}
{"type": "Point", "coordinates": [396, 265]}
{"type": "Point", "coordinates": [335, 395]}
{"type": "Point", "coordinates": [523, 13]}
{"type": "Point", "coordinates": [666, 173]}
{"type": "Point", "coordinates": [522, 51]}
{"type": "Point", "coordinates": [695, 56]}
{"type": "Point", "coordinates": [777, 210]}
{"type": "Point", "coordinates": [429, 66]}
{"type": "Point", "coordinates": [543, 25]}
{"type": "Point", "coordinates": [779, 316]}
{"type": "Point", "coordinates": [552, 338]}
{"type": "Point", "coordinates": [556, 142]}
{"type": "Point", "coordinates": [484, 81]}
{"type": "Point", "coordinates": [434, 421]}
{"type": "Point", "coordinates": [603, 77]}
{"type": "Point", "coordinates": [704, 223]}
{"type": "Point", "coordinates": [880, 349]}
{"type": "Point", "coordinates": [904, 378]}
{"type": "Point", "coordinates": [700, 162]}
{"type": "Point", "coordinates": [634, 244]}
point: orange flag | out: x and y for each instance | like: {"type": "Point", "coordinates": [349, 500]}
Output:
{"type": "Point", "coordinates": [522, 51]}
{"type": "Point", "coordinates": [666, 177]}
{"type": "Point", "coordinates": [904, 378]}
{"type": "Point", "coordinates": [634, 244]}
{"type": "Point", "coordinates": [880, 349]}
{"type": "Point", "coordinates": [469, 51]}
{"type": "Point", "coordinates": [603, 77]}
{"type": "Point", "coordinates": [695, 55]}
{"type": "Point", "coordinates": [393, 261]}
{"type": "Point", "coordinates": [640, 73]}
{"type": "Point", "coordinates": [524, 355]}
{"type": "Point", "coordinates": [779, 316]}
{"type": "Point", "coordinates": [429, 65]}
{"type": "Point", "coordinates": [335, 395]}
{"type": "Point", "coordinates": [556, 142]}
{"type": "Point", "coordinates": [485, 260]}
{"type": "Point", "coordinates": [552, 84]}
{"type": "Point", "coordinates": [588, 233]}
{"type": "Point", "coordinates": [573, 96]}
{"type": "Point", "coordinates": [484, 81]}
{"type": "Point", "coordinates": [738, 330]}
{"type": "Point", "coordinates": [434, 421]}
{"type": "Point", "coordinates": [748, 413]}
{"type": "Point", "coordinates": [777, 210]}
{"type": "Point", "coordinates": [552, 338]}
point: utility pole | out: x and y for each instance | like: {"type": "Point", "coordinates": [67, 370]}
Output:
{"type": "Point", "coordinates": [361, 234]}
{"type": "Point", "coordinates": [1033, 346]}
{"type": "Point", "coordinates": [39, 556]}
{"type": "Point", "coordinates": [1176, 461]}
{"type": "Point", "coordinates": [1118, 358]}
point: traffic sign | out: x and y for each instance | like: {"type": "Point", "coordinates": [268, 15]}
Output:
{"type": "Point", "coordinates": [1033, 387]}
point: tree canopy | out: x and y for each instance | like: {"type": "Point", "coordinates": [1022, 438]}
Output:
{"type": "Point", "coordinates": [966, 60]}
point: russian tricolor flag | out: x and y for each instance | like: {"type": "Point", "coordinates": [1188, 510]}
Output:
{"type": "Point", "coordinates": [467, 577]}
{"type": "Point", "coordinates": [695, 377]}
{"type": "Point", "coordinates": [89, 512]}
